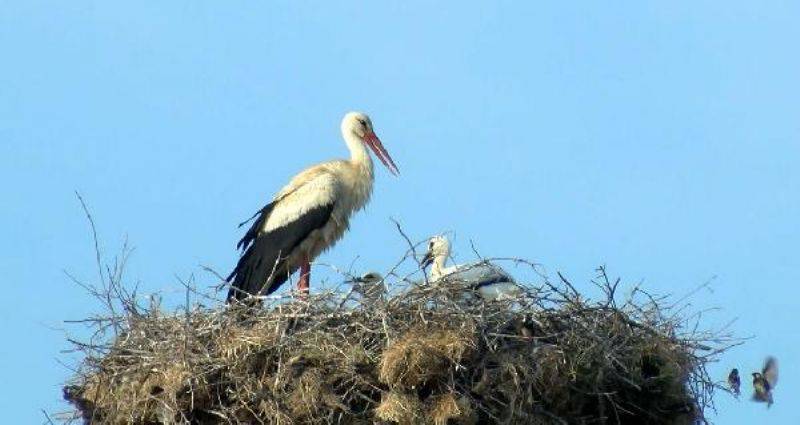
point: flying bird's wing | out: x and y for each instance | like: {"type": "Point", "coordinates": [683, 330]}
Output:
{"type": "Point", "coordinates": [770, 371]}
{"type": "Point", "coordinates": [303, 206]}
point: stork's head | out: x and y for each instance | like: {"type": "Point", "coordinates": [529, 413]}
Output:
{"type": "Point", "coordinates": [438, 250]}
{"type": "Point", "coordinates": [359, 126]}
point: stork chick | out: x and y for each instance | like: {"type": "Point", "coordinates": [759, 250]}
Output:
{"type": "Point", "coordinates": [309, 215]}
{"type": "Point", "coordinates": [370, 286]}
{"type": "Point", "coordinates": [489, 281]}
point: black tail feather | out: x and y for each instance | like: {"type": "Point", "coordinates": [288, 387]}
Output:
{"type": "Point", "coordinates": [264, 260]}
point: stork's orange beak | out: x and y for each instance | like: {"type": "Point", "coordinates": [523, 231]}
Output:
{"type": "Point", "coordinates": [375, 143]}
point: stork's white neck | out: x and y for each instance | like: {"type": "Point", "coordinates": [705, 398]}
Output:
{"type": "Point", "coordinates": [437, 268]}
{"type": "Point", "coordinates": [359, 156]}
{"type": "Point", "coordinates": [360, 176]}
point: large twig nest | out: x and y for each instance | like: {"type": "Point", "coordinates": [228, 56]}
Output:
{"type": "Point", "coordinates": [427, 354]}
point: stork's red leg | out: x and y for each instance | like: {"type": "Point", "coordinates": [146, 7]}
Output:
{"type": "Point", "coordinates": [305, 278]}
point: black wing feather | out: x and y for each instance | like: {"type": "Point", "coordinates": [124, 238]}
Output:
{"type": "Point", "coordinates": [252, 232]}
{"type": "Point", "coordinates": [491, 274]}
{"type": "Point", "coordinates": [265, 253]}
{"type": "Point", "coordinates": [491, 281]}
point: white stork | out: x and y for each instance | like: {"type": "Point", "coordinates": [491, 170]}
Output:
{"type": "Point", "coordinates": [308, 215]}
{"type": "Point", "coordinates": [490, 281]}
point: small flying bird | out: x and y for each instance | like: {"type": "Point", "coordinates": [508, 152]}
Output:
{"type": "Point", "coordinates": [734, 382]}
{"type": "Point", "coordinates": [764, 382]}
{"type": "Point", "coordinates": [370, 286]}
{"type": "Point", "coordinates": [489, 281]}
{"type": "Point", "coordinates": [309, 215]}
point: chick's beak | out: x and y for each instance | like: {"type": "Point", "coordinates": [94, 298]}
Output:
{"type": "Point", "coordinates": [427, 259]}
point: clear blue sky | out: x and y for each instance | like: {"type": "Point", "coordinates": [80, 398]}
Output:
{"type": "Point", "coordinates": [661, 139]}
